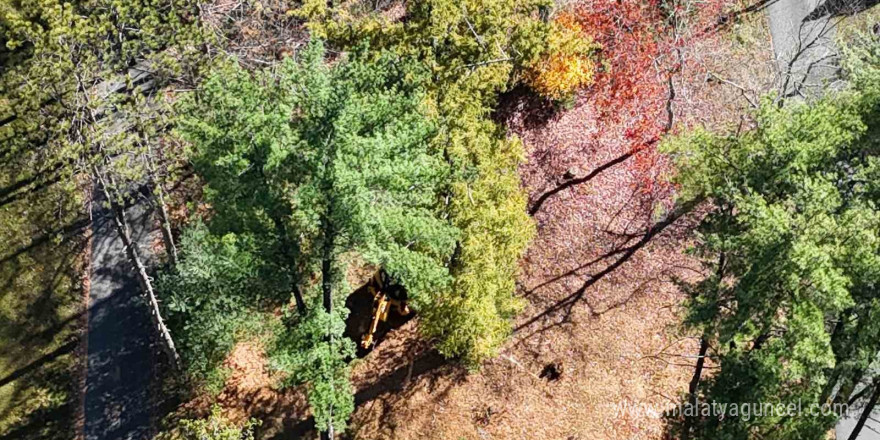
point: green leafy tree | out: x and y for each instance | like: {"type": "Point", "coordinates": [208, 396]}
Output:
{"type": "Point", "coordinates": [68, 61]}
{"type": "Point", "coordinates": [53, 56]}
{"type": "Point", "coordinates": [473, 51]}
{"type": "Point", "coordinates": [334, 160]}
{"type": "Point", "coordinates": [213, 427]}
{"type": "Point", "coordinates": [311, 357]}
{"type": "Point", "coordinates": [793, 243]}
{"type": "Point", "coordinates": [214, 297]}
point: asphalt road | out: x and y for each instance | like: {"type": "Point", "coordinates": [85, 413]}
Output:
{"type": "Point", "coordinates": [120, 359]}
{"type": "Point", "coordinates": [803, 42]}
{"type": "Point", "coordinates": [871, 430]}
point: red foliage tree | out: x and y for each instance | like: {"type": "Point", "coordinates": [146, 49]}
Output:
{"type": "Point", "coordinates": [642, 46]}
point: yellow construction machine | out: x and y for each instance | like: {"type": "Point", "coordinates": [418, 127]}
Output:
{"type": "Point", "coordinates": [387, 295]}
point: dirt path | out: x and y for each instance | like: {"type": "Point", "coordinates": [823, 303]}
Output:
{"type": "Point", "coordinates": [119, 350]}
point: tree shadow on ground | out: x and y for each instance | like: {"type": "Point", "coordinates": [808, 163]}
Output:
{"type": "Point", "coordinates": [725, 20]}
{"type": "Point", "coordinates": [390, 387]}
{"type": "Point", "coordinates": [283, 412]}
{"type": "Point", "coordinates": [611, 260]}
{"type": "Point", "coordinates": [40, 341]}
{"type": "Point", "coordinates": [538, 202]}
{"type": "Point", "coordinates": [838, 8]}
{"type": "Point", "coordinates": [423, 363]}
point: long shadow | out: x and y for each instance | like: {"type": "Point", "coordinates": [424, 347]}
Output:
{"type": "Point", "coordinates": [43, 309]}
{"type": "Point", "coordinates": [539, 202]}
{"type": "Point", "coordinates": [52, 331]}
{"type": "Point", "coordinates": [567, 303]}
{"type": "Point", "coordinates": [37, 182]}
{"type": "Point", "coordinates": [726, 19]}
{"type": "Point", "coordinates": [838, 8]}
{"type": "Point", "coordinates": [20, 195]}
{"type": "Point", "coordinates": [74, 228]}
{"type": "Point", "coordinates": [395, 381]}
{"type": "Point", "coordinates": [573, 272]}
{"type": "Point", "coordinates": [43, 360]}
{"type": "Point", "coordinates": [398, 379]}
{"type": "Point", "coordinates": [54, 375]}
{"type": "Point", "coordinates": [39, 336]}
{"type": "Point", "coordinates": [48, 422]}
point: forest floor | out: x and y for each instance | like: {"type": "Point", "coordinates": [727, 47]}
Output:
{"type": "Point", "coordinates": [599, 352]}
{"type": "Point", "coordinates": [600, 349]}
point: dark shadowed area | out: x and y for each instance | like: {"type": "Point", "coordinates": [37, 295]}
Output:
{"type": "Point", "coordinates": [117, 401]}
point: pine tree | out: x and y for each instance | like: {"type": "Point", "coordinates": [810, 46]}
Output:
{"type": "Point", "coordinates": [473, 51]}
{"type": "Point", "coordinates": [793, 243]}
{"type": "Point", "coordinates": [338, 160]}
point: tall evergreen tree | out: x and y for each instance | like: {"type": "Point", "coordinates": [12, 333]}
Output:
{"type": "Point", "coordinates": [474, 50]}
{"type": "Point", "coordinates": [332, 161]}
{"type": "Point", "coordinates": [793, 243]}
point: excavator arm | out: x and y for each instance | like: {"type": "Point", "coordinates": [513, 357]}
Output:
{"type": "Point", "coordinates": [380, 313]}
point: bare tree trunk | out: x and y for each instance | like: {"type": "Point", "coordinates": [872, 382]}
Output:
{"type": "Point", "coordinates": [327, 291]}
{"type": "Point", "coordinates": [165, 223]}
{"type": "Point", "coordinates": [829, 387]}
{"type": "Point", "coordinates": [286, 246]}
{"type": "Point", "coordinates": [326, 271]}
{"type": "Point", "coordinates": [693, 388]}
{"type": "Point", "coordinates": [159, 200]}
{"type": "Point", "coordinates": [330, 431]}
{"type": "Point", "coordinates": [121, 224]}
{"type": "Point", "coordinates": [848, 385]}
{"type": "Point", "coordinates": [835, 373]}
{"type": "Point", "coordinates": [869, 407]}
{"type": "Point", "coordinates": [297, 296]}
{"type": "Point", "coordinates": [142, 276]}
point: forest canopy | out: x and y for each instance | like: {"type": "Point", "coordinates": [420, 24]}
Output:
{"type": "Point", "coordinates": [242, 171]}
{"type": "Point", "coordinates": [793, 241]}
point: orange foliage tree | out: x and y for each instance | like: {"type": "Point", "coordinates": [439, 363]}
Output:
{"type": "Point", "coordinates": [570, 61]}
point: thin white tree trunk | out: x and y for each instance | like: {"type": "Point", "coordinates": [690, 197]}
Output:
{"type": "Point", "coordinates": [159, 199]}
{"type": "Point", "coordinates": [141, 270]}
{"type": "Point", "coordinates": [165, 223]}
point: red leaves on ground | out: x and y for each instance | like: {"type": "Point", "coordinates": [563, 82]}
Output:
{"type": "Point", "coordinates": [636, 43]}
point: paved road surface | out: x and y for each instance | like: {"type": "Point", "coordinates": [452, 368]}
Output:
{"type": "Point", "coordinates": [803, 43]}
{"type": "Point", "coordinates": [119, 355]}
{"type": "Point", "coordinates": [871, 430]}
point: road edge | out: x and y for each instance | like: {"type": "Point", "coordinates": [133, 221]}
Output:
{"type": "Point", "coordinates": [79, 418]}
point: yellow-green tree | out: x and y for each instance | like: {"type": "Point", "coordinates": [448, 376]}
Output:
{"type": "Point", "coordinates": [473, 50]}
